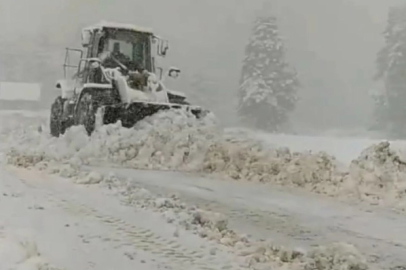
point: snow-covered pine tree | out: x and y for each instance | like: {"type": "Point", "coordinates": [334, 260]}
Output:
{"type": "Point", "coordinates": [390, 110]}
{"type": "Point", "coordinates": [268, 87]}
{"type": "Point", "coordinates": [380, 113]}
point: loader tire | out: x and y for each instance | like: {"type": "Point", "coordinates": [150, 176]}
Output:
{"type": "Point", "coordinates": [86, 112]}
{"type": "Point", "coordinates": [55, 124]}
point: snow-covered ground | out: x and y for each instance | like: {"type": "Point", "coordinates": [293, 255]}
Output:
{"type": "Point", "coordinates": [78, 228]}
{"type": "Point", "coordinates": [109, 212]}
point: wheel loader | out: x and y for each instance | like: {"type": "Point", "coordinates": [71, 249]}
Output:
{"type": "Point", "coordinates": [115, 76]}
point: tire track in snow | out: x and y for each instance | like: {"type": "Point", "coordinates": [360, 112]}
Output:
{"type": "Point", "coordinates": [145, 239]}
{"type": "Point", "coordinates": [124, 233]}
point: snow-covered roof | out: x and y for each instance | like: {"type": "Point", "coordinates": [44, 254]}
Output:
{"type": "Point", "coordinates": [106, 24]}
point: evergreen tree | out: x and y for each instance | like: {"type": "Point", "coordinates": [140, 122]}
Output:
{"type": "Point", "coordinates": [380, 113]}
{"type": "Point", "coordinates": [268, 87]}
{"type": "Point", "coordinates": [390, 108]}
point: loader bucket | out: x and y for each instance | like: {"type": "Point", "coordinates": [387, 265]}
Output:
{"type": "Point", "coordinates": [130, 114]}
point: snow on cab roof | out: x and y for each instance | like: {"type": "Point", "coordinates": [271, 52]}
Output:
{"type": "Point", "coordinates": [105, 24]}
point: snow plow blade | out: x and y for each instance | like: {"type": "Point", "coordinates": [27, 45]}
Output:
{"type": "Point", "coordinates": [130, 114]}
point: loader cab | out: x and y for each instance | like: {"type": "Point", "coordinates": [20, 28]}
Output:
{"type": "Point", "coordinates": [131, 48]}
{"type": "Point", "coordinates": [135, 47]}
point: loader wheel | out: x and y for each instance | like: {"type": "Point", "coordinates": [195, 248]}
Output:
{"type": "Point", "coordinates": [86, 113]}
{"type": "Point", "coordinates": [56, 126]}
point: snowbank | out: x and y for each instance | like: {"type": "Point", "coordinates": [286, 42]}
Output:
{"type": "Point", "coordinates": [175, 140]}
{"type": "Point", "coordinates": [379, 176]}
{"type": "Point", "coordinates": [21, 255]}
{"type": "Point", "coordinates": [344, 149]}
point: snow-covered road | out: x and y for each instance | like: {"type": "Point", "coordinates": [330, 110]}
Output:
{"type": "Point", "coordinates": [85, 227]}
{"type": "Point", "coordinates": [85, 223]}
{"type": "Point", "coordinates": [289, 217]}
{"type": "Point", "coordinates": [82, 228]}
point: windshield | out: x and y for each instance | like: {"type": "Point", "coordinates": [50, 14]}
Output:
{"type": "Point", "coordinates": [130, 48]}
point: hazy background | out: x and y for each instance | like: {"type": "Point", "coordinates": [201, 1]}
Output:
{"type": "Point", "coordinates": [332, 44]}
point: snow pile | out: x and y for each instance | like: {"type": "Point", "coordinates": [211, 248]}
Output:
{"type": "Point", "coordinates": [336, 256]}
{"type": "Point", "coordinates": [175, 140]}
{"type": "Point", "coordinates": [214, 227]}
{"type": "Point", "coordinates": [167, 140]}
{"type": "Point", "coordinates": [379, 175]}
{"type": "Point", "coordinates": [253, 161]}
{"type": "Point", "coordinates": [21, 255]}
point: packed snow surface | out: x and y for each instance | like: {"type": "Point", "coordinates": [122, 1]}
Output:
{"type": "Point", "coordinates": [18, 254]}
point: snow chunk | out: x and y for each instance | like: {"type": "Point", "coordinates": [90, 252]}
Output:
{"type": "Point", "coordinates": [91, 178]}
{"type": "Point", "coordinates": [379, 175]}
{"type": "Point", "coordinates": [336, 256]}
{"type": "Point", "coordinates": [210, 219]}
